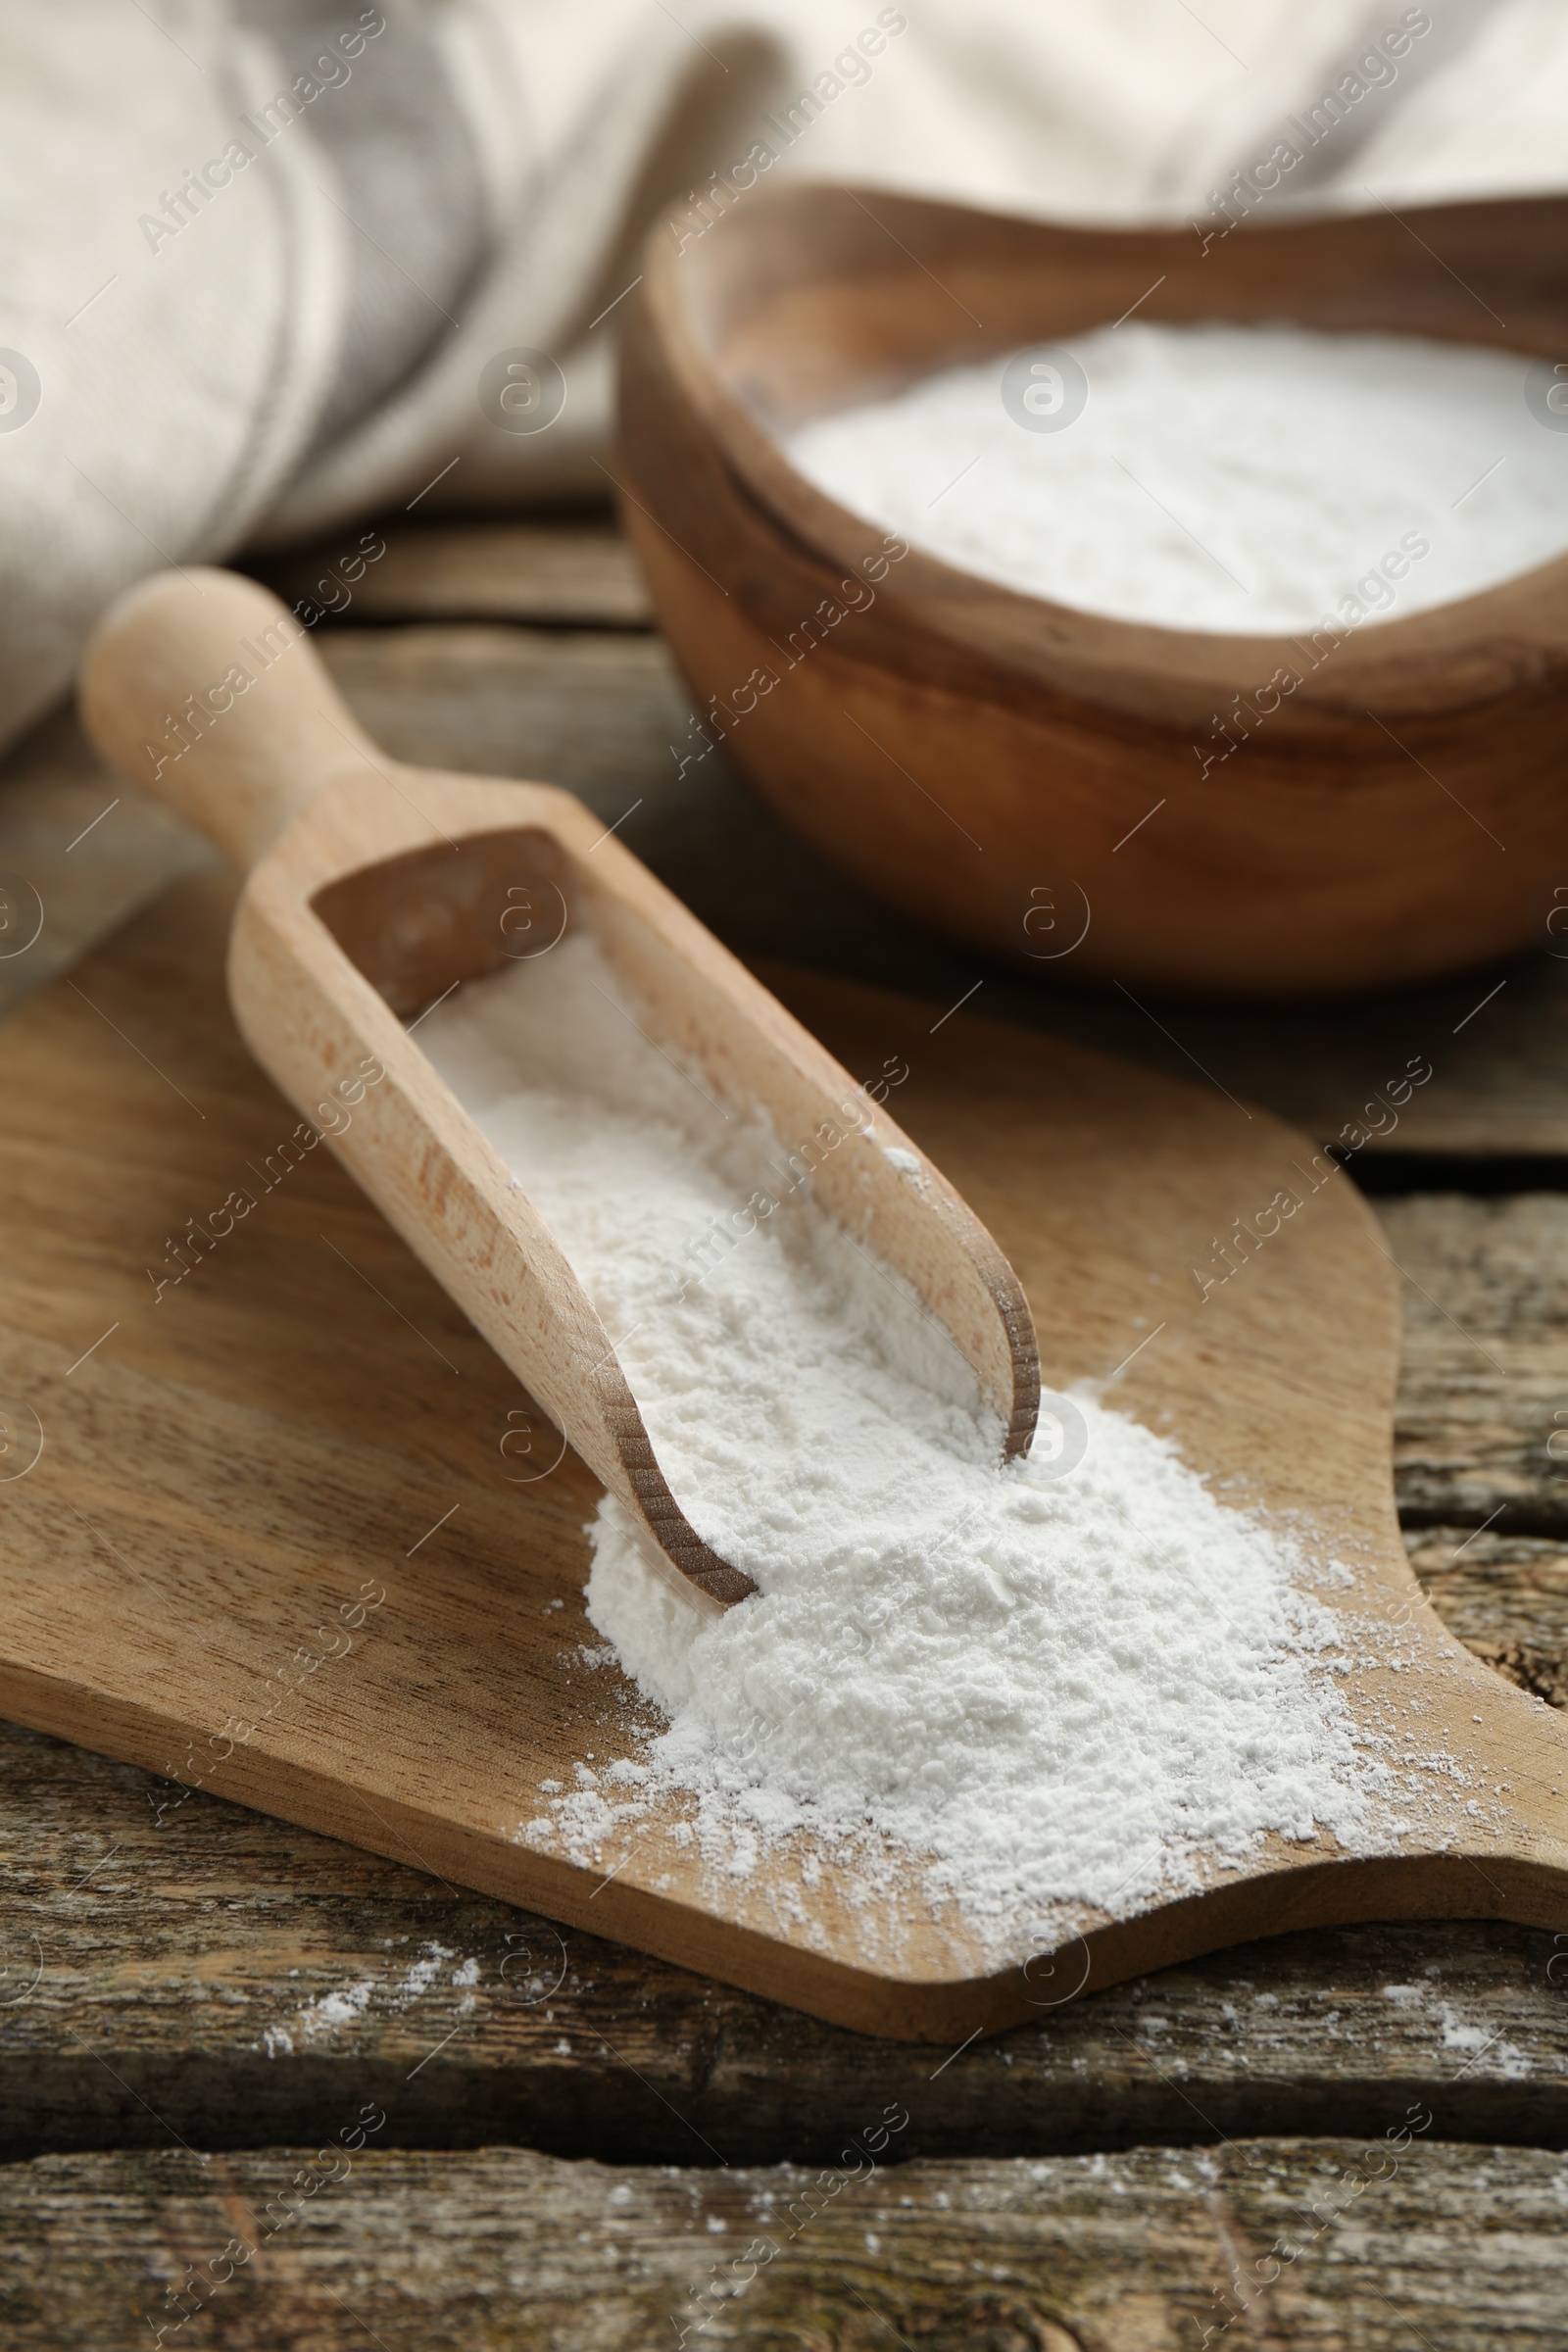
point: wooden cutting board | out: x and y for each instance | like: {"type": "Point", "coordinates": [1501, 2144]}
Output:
{"type": "Point", "coordinates": [294, 1535]}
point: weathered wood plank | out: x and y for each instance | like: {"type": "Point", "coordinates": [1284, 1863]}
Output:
{"type": "Point", "coordinates": [1325, 2245]}
{"type": "Point", "coordinates": [181, 1969]}
{"type": "Point", "coordinates": [575, 571]}
{"type": "Point", "coordinates": [1483, 1413]}
{"type": "Point", "coordinates": [586, 707]}
{"type": "Point", "coordinates": [1505, 1597]}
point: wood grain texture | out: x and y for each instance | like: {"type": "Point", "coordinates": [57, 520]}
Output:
{"type": "Point", "coordinates": [242, 1450]}
{"type": "Point", "coordinates": [575, 573]}
{"type": "Point", "coordinates": [180, 1968]}
{"type": "Point", "coordinates": [1505, 1597]}
{"type": "Point", "coordinates": [1484, 1398]}
{"type": "Point", "coordinates": [958, 747]}
{"type": "Point", "coordinates": [1320, 2244]}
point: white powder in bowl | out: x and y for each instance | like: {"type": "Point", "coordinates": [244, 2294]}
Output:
{"type": "Point", "coordinates": [1250, 479]}
{"type": "Point", "coordinates": [1044, 1687]}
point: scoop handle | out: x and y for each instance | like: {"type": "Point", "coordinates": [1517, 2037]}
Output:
{"type": "Point", "coordinates": [199, 688]}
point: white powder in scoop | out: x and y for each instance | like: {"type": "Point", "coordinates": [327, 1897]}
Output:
{"type": "Point", "coordinates": [1241, 479]}
{"type": "Point", "coordinates": [1046, 1687]}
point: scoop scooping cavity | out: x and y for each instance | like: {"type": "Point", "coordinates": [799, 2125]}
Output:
{"type": "Point", "coordinates": [376, 888]}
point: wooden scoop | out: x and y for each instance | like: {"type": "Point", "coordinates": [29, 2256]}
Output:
{"type": "Point", "coordinates": [375, 889]}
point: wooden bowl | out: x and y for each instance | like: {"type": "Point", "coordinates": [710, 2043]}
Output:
{"type": "Point", "coordinates": [975, 756]}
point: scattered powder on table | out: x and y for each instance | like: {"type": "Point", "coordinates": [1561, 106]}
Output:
{"type": "Point", "coordinates": [1047, 1687]}
{"type": "Point", "coordinates": [1241, 479]}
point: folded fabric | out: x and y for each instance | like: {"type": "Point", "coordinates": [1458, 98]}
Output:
{"type": "Point", "coordinates": [272, 261]}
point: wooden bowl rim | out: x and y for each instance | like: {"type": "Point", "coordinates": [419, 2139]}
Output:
{"type": "Point", "coordinates": [1430, 651]}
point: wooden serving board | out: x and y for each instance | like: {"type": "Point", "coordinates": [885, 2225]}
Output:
{"type": "Point", "coordinates": [284, 1538]}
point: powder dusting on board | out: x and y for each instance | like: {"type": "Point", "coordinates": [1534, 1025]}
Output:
{"type": "Point", "coordinates": [1043, 1685]}
{"type": "Point", "coordinates": [1255, 479]}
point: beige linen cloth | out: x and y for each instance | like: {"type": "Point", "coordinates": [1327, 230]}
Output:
{"type": "Point", "coordinates": [258, 252]}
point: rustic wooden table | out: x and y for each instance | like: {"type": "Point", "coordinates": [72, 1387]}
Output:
{"type": "Point", "coordinates": [262, 2090]}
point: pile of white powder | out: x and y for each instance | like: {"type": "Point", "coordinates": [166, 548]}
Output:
{"type": "Point", "coordinates": [1241, 479]}
{"type": "Point", "coordinates": [1042, 1689]}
